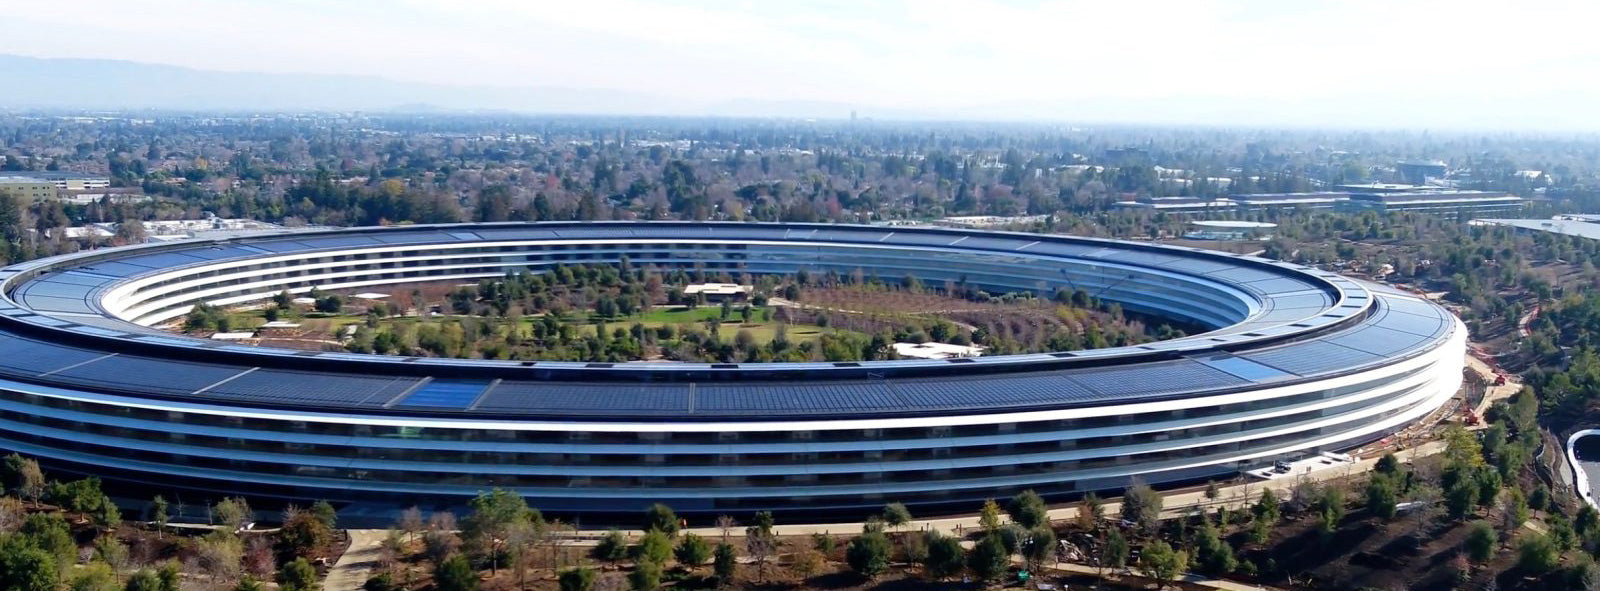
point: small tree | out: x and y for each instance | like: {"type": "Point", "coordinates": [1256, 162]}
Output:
{"type": "Point", "coordinates": [158, 515]}
{"type": "Point", "coordinates": [576, 579]}
{"type": "Point", "coordinates": [1160, 562]}
{"type": "Point", "coordinates": [692, 551]}
{"type": "Point", "coordinates": [724, 562]}
{"type": "Point", "coordinates": [495, 516]}
{"type": "Point", "coordinates": [302, 535]}
{"type": "Point", "coordinates": [1028, 510]}
{"type": "Point", "coordinates": [868, 554]}
{"type": "Point", "coordinates": [232, 512]}
{"type": "Point", "coordinates": [661, 518]}
{"type": "Point", "coordinates": [1141, 505]}
{"type": "Point", "coordinates": [989, 558]}
{"type": "Point", "coordinates": [655, 547]}
{"type": "Point", "coordinates": [612, 547]}
{"type": "Point", "coordinates": [326, 514]}
{"type": "Point", "coordinates": [455, 574]}
{"type": "Point", "coordinates": [646, 576]}
{"type": "Point", "coordinates": [1091, 511]}
{"type": "Point", "coordinates": [945, 557]}
{"type": "Point", "coordinates": [1480, 543]}
{"type": "Point", "coordinates": [896, 515]}
{"type": "Point", "coordinates": [1114, 553]}
{"type": "Point", "coordinates": [989, 516]}
{"type": "Point", "coordinates": [1537, 554]}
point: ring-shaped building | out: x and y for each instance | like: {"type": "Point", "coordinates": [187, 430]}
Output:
{"type": "Point", "coordinates": [1292, 360]}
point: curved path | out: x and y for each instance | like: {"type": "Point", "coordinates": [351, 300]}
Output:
{"type": "Point", "coordinates": [350, 573]}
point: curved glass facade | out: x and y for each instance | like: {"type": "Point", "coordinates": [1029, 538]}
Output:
{"type": "Point", "coordinates": [1295, 361]}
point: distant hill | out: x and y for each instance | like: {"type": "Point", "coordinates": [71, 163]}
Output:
{"type": "Point", "coordinates": [114, 84]}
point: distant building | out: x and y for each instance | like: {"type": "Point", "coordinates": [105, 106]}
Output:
{"type": "Point", "coordinates": [1229, 230]}
{"type": "Point", "coordinates": [28, 188]}
{"type": "Point", "coordinates": [67, 181]}
{"type": "Point", "coordinates": [1459, 204]}
{"type": "Point", "coordinates": [1378, 196]}
{"type": "Point", "coordinates": [1418, 172]}
{"type": "Point", "coordinates": [718, 292]}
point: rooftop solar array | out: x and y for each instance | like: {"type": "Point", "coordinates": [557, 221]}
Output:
{"type": "Point", "coordinates": [1290, 334]}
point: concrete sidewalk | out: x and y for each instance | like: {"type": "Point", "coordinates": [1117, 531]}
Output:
{"type": "Point", "coordinates": [350, 573]}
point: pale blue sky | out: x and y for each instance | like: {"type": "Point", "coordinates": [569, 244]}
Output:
{"type": "Point", "coordinates": [1451, 63]}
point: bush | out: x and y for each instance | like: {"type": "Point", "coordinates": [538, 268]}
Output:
{"type": "Point", "coordinates": [1536, 554]}
{"type": "Point", "coordinates": [300, 576]}
{"type": "Point", "coordinates": [654, 548]}
{"type": "Point", "coordinates": [646, 576]}
{"type": "Point", "coordinates": [989, 559]}
{"type": "Point", "coordinates": [454, 574]}
{"type": "Point", "coordinates": [661, 518]}
{"type": "Point", "coordinates": [577, 579]}
{"type": "Point", "coordinates": [868, 554]}
{"type": "Point", "coordinates": [1480, 542]}
{"type": "Point", "coordinates": [612, 547]}
{"type": "Point", "coordinates": [945, 557]}
{"type": "Point", "coordinates": [724, 562]}
{"type": "Point", "coordinates": [692, 551]}
{"type": "Point", "coordinates": [1028, 510]}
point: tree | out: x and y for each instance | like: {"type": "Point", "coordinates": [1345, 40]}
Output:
{"type": "Point", "coordinates": [612, 547]}
{"type": "Point", "coordinates": [495, 515]}
{"type": "Point", "coordinates": [646, 576]}
{"type": "Point", "coordinates": [455, 574]}
{"type": "Point", "coordinates": [1480, 542]}
{"type": "Point", "coordinates": [1537, 554]}
{"type": "Point", "coordinates": [1214, 555]}
{"type": "Point", "coordinates": [232, 512]}
{"type": "Point", "coordinates": [868, 554]}
{"type": "Point", "coordinates": [896, 515]}
{"type": "Point", "coordinates": [654, 547]}
{"type": "Point", "coordinates": [989, 516]}
{"type": "Point", "coordinates": [95, 576]}
{"type": "Point", "coordinates": [945, 557]}
{"type": "Point", "coordinates": [1382, 495]}
{"type": "Point", "coordinates": [723, 563]}
{"type": "Point", "coordinates": [144, 580]}
{"type": "Point", "coordinates": [158, 514]}
{"type": "Point", "coordinates": [24, 476]}
{"type": "Point", "coordinates": [50, 533]}
{"type": "Point", "coordinates": [692, 551]}
{"type": "Point", "coordinates": [1028, 509]}
{"type": "Point", "coordinates": [1040, 545]}
{"type": "Point", "coordinates": [1141, 505]}
{"type": "Point", "coordinates": [988, 559]}
{"type": "Point", "coordinates": [1160, 562]}
{"type": "Point", "coordinates": [1114, 553]}
{"type": "Point", "coordinates": [326, 514]}
{"type": "Point", "coordinates": [576, 579]}
{"type": "Point", "coordinates": [219, 554]}
{"type": "Point", "coordinates": [298, 575]}
{"type": "Point", "coordinates": [1091, 511]}
{"type": "Point", "coordinates": [26, 567]}
{"type": "Point", "coordinates": [249, 583]}
{"type": "Point", "coordinates": [661, 518]}
{"type": "Point", "coordinates": [1330, 509]}
{"type": "Point", "coordinates": [302, 535]}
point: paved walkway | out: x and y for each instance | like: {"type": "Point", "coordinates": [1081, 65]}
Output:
{"type": "Point", "coordinates": [1190, 578]}
{"type": "Point", "coordinates": [1232, 496]}
{"type": "Point", "coordinates": [355, 566]}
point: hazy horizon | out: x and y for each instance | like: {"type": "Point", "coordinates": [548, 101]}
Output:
{"type": "Point", "coordinates": [1413, 65]}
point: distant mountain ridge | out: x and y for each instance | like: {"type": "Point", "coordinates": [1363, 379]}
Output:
{"type": "Point", "coordinates": [116, 84]}
{"type": "Point", "coordinates": [104, 84]}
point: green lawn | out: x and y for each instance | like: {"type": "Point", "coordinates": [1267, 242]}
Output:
{"type": "Point", "coordinates": [763, 331]}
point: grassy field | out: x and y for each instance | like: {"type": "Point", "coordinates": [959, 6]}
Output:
{"type": "Point", "coordinates": [762, 330]}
